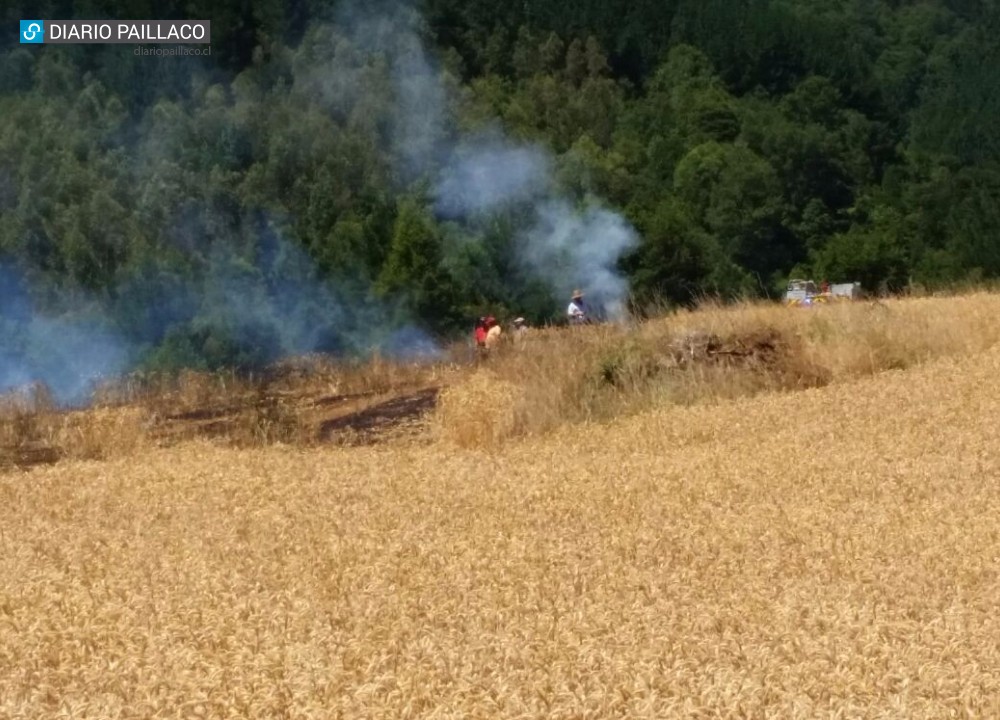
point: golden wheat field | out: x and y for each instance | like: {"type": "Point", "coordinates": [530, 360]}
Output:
{"type": "Point", "coordinates": [827, 552]}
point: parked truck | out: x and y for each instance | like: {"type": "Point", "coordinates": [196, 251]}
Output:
{"type": "Point", "coordinates": [803, 293]}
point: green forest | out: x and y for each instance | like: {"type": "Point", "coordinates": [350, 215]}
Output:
{"type": "Point", "coordinates": [337, 177]}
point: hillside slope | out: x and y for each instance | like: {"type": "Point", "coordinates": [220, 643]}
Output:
{"type": "Point", "coordinates": [830, 551]}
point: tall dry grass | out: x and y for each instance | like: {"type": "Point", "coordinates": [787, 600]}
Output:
{"type": "Point", "coordinates": [31, 433]}
{"type": "Point", "coordinates": [855, 339]}
{"type": "Point", "coordinates": [713, 352]}
{"type": "Point", "coordinates": [758, 558]}
{"type": "Point", "coordinates": [554, 377]}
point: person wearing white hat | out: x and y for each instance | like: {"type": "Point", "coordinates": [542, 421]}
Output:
{"type": "Point", "coordinates": [576, 312]}
{"type": "Point", "coordinates": [519, 333]}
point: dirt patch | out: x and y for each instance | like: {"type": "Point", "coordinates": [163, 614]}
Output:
{"type": "Point", "coordinates": [766, 351]}
{"type": "Point", "coordinates": [372, 424]}
{"type": "Point", "coordinates": [759, 347]}
{"type": "Point", "coordinates": [340, 399]}
{"type": "Point", "coordinates": [24, 457]}
{"type": "Point", "coordinates": [347, 418]}
{"type": "Point", "coordinates": [205, 413]}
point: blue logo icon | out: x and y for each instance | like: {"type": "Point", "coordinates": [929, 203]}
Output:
{"type": "Point", "coordinates": [32, 31]}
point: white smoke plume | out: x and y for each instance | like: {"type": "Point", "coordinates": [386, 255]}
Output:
{"type": "Point", "coordinates": [372, 70]}
{"type": "Point", "coordinates": [477, 174]}
{"type": "Point", "coordinates": [486, 172]}
{"type": "Point", "coordinates": [573, 249]}
{"type": "Point", "coordinates": [69, 356]}
{"type": "Point", "coordinates": [391, 33]}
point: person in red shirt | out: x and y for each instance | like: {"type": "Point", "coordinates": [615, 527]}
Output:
{"type": "Point", "coordinates": [480, 333]}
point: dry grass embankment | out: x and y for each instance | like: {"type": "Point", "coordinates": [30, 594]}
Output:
{"type": "Point", "coordinates": [711, 353]}
{"type": "Point", "coordinates": [557, 377]}
{"type": "Point", "coordinates": [828, 553]}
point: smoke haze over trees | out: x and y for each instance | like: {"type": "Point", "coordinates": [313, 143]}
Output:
{"type": "Point", "coordinates": [345, 176]}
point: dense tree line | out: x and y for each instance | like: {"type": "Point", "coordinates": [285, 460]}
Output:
{"type": "Point", "coordinates": [747, 141]}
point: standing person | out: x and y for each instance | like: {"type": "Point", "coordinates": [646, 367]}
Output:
{"type": "Point", "coordinates": [493, 332]}
{"type": "Point", "coordinates": [519, 332]}
{"type": "Point", "coordinates": [480, 333]}
{"type": "Point", "coordinates": [577, 312]}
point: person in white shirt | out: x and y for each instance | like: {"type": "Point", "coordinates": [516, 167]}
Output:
{"type": "Point", "coordinates": [576, 312]}
{"type": "Point", "coordinates": [519, 332]}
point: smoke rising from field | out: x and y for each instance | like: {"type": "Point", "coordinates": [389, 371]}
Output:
{"type": "Point", "coordinates": [245, 289]}
{"type": "Point", "coordinates": [486, 172]}
{"type": "Point", "coordinates": [67, 355]}
{"type": "Point", "coordinates": [285, 308]}
{"type": "Point", "coordinates": [418, 123]}
{"type": "Point", "coordinates": [571, 248]}
{"type": "Point", "coordinates": [568, 247]}
{"type": "Point", "coordinates": [231, 312]}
